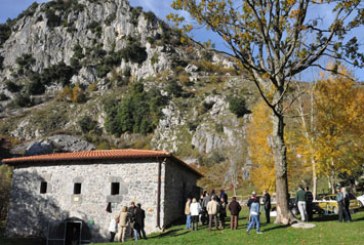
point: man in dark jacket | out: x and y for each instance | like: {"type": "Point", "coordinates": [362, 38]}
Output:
{"type": "Point", "coordinates": [139, 220]}
{"type": "Point", "coordinates": [309, 206]}
{"type": "Point", "coordinates": [131, 217]}
{"type": "Point", "coordinates": [267, 205]}
{"type": "Point", "coordinates": [224, 196]}
{"type": "Point", "coordinates": [234, 208]}
{"type": "Point", "coordinates": [252, 199]}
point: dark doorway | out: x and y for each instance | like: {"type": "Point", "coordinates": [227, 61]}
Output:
{"type": "Point", "coordinates": [73, 233]}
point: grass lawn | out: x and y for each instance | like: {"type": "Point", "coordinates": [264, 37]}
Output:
{"type": "Point", "coordinates": [327, 231]}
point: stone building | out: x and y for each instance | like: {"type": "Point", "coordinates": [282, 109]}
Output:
{"type": "Point", "coordinates": [59, 195]}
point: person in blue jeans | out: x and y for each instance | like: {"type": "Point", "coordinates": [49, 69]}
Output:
{"type": "Point", "coordinates": [188, 214]}
{"type": "Point", "coordinates": [254, 215]}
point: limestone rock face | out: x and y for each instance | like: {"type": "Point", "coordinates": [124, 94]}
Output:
{"type": "Point", "coordinates": [92, 40]}
{"type": "Point", "coordinates": [56, 143]}
{"type": "Point", "coordinates": [103, 24]}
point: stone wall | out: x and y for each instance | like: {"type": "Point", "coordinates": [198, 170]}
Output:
{"type": "Point", "coordinates": [31, 212]}
{"type": "Point", "coordinates": [179, 184]}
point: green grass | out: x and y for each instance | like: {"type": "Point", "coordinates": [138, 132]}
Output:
{"type": "Point", "coordinates": [327, 231]}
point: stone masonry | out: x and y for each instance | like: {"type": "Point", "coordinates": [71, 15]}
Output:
{"type": "Point", "coordinates": [31, 212]}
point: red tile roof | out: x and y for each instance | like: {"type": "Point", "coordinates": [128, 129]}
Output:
{"type": "Point", "coordinates": [96, 155]}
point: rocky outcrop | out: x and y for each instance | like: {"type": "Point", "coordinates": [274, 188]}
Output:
{"type": "Point", "coordinates": [90, 44]}
{"type": "Point", "coordinates": [56, 143]}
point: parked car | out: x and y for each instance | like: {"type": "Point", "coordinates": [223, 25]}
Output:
{"type": "Point", "coordinates": [361, 200]}
{"type": "Point", "coordinates": [328, 204]}
{"type": "Point", "coordinates": [291, 204]}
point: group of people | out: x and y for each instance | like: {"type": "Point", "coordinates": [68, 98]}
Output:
{"type": "Point", "coordinates": [129, 222]}
{"type": "Point", "coordinates": [343, 200]}
{"type": "Point", "coordinates": [211, 210]}
{"type": "Point", "coordinates": [304, 200]}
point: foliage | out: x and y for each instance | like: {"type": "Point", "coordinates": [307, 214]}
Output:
{"type": "Point", "coordinates": [137, 112]}
{"type": "Point", "coordinates": [23, 100]}
{"type": "Point", "coordinates": [173, 88]}
{"type": "Point", "coordinates": [134, 53]}
{"type": "Point", "coordinates": [35, 87]}
{"type": "Point", "coordinates": [110, 18]}
{"type": "Point", "coordinates": [338, 126]}
{"type": "Point", "coordinates": [237, 105]}
{"type": "Point", "coordinates": [5, 32]}
{"type": "Point", "coordinates": [150, 16]}
{"type": "Point", "coordinates": [53, 20]}
{"type": "Point", "coordinates": [12, 87]}
{"type": "Point", "coordinates": [135, 13]}
{"type": "Point", "coordinates": [25, 62]}
{"type": "Point", "coordinates": [95, 27]}
{"type": "Point", "coordinates": [58, 73]}
{"type": "Point", "coordinates": [259, 130]}
{"type": "Point", "coordinates": [3, 97]}
{"type": "Point", "coordinates": [5, 186]}
{"type": "Point", "coordinates": [1, 62]}
{"type": "Point", "coordinates": [87, 124]}
{"type": "Point", "coordinates": [74, 94]}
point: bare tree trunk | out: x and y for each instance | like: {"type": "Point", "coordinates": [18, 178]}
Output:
{"type": "Point", "coordinates": [332, 176]}
{"type": "Point", "coordinates": [314, 178]}
{"type": "Point", "coordinates": [310, 139]}
{"type": "Point", "coordinates": [284, 215]}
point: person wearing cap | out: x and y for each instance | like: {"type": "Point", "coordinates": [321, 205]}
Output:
{"type": "Point", "coordinates": [254, 215]}
{"type": "Point", "coordinates": [251, 199]}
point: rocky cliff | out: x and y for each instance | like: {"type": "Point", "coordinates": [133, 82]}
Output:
{"type": "Point", "coordinates": [73, 68]}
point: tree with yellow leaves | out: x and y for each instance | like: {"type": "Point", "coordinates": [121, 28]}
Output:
{"type": "Point", "coordinates": [339, 125]}
{"type": "Point", "coordinates": [265, 38]}
{"type": "Point", "coordinates": [261, 152]}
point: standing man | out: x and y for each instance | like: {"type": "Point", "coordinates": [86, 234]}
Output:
{"type": "Point", "coordinates": [234, 208]}
{"type": "Point", "coordinates": [139, 218]}
{"type": "Point", "coordinates": [267, 205]}
{"type": "Point", "coordinates": [224, 196]}
{"type": "Point", "coordinates": [212, 210]}
{"type": "Point", "coordinates": [309, 206]}
{"type": "Point", "coordinates": [205, 201]}
{"type": "Point", "coordinates": [131, 218]}
{"type": "Point", "coordinates": [301, 203]}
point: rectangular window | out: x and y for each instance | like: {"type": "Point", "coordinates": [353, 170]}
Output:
{"type": "Point", "coordinates": [77, 189]}
{"type": "Point", "coordinates": [115, 188]}
{"type": "Point", "coordinates": [43, 187]}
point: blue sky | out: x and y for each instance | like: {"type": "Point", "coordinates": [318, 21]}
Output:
{"type": "Point", "coordinates": [11, 8]}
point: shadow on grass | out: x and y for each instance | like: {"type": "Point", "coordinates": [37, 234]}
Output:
{"type": "Point", "coordinates": [275, 227]}
{"type": "Point", "coordinates": [325, 218]}
{"type": "Point", "coordinates": [174, 232]}
{"type": "Point", "coordinates": [19, 241]}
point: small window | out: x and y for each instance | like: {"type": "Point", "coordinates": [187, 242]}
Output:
{"type": "Point", "coordinates": [43, 187]}
{"type": "Point", "coordinates": [77, 189]}
{"type": "Point", "coordinates": [115, 188]}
